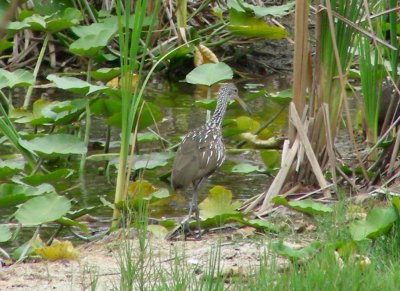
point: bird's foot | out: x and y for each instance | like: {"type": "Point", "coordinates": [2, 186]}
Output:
{"type": "Point", "coordinates": [184, 227]}
{"type": "Point", "coordinates": [196, 234]}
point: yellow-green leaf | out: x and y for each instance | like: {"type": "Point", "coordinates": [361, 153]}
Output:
{"type": "Point", "coordinates": [218, 202]}
{"type": "Point", "coordinates": [58, 250]}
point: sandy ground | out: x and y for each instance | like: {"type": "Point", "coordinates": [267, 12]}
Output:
{"type": "Point", "coordinates": [239, 254]}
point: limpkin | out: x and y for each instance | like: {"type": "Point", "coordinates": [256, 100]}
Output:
{"type": "Point", "coordinates": [202, 151]}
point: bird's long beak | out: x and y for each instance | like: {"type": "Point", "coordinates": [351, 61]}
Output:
{"type": "Point", "coordinates": [241, 102]}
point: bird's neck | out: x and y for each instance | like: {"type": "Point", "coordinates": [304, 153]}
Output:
{"type": "Point", "coordinates": [218, 115]}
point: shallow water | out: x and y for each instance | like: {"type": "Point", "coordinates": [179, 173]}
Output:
{"type": "Point", "coordinates": [176, 101]}
{"type": "Point", "coordinates": [180, 115]}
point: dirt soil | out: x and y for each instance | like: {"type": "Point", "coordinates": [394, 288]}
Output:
{"type": "Point", "coordinates": [239, 255]}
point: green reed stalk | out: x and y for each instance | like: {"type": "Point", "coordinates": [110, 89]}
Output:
{"type": "Point", "coordinates": [394, 54]}
{"type": "Point", "coordinates": [329, 83]}
{"type": "Point", "coordinates": [371, 86]}
{"type": "Point", "coordinates": [9, 131]}
{"type": "Point", "coordinates": [36, 70]}
{"type": "Point", "coordinates": [129, 40]}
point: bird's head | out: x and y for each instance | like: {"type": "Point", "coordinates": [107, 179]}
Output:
{"type": "Point", "coordinates": [231, 92]}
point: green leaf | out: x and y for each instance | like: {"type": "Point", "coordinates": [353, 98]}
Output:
{"type": "Point", "coordinates": [296, 254]}
{"type": "Point", "coordinates": [244, 25]}
{"type": "Point", "coordinates": [105, 74]}
{"type": "Point", "coordinates": [60, 175]}
{"type": "Point", "coordinates": [5, 44]}
{"type": "Point", "coordinates": [69, 223]}
{"type": "Point", "coordinates": [261, 11]}
{"type": "Point", "coordinates": [378, 222]}
{"type": "Point", "coordinates": [90, 45]}
{"type": "Point", "coordinates": [218, 203]}
{"type": "Point", "coordinates": [263, 224]}
{"type": "Point", "coordinates": [75, 85]}
{"type": "Point", "coordinates": [282, 97]}
{"type": "Point", "coordinates": [247, 123]}
{"type": "Point", "coordinates": [209, 74]}
{"type": "Point", "coordinates": [109, 24]}
{"type": "Point", "coordinates": [55, 145]}
{"type": "Point", "coordinates": [307, 206]}
{"type": "Point", "coordinates": [93, 38]}
{"type": "Point", "coordinates": [152, 160]}
{"type": "Point", "coordinates": [42, 209]}
{"type": "Point", "coordinates": [158, 231]}
{"type": "Point", "coordinates": [271, 158]}
{"type": "Point", "coordinates": [18, 78]}
{"type": "Point", "coordinates": [208, 104]}
{"type": "Point", "coordinates": [11, 167]}
{"type": "Point", "coordinates": [13, 194]}
{"type": "Point", "coordinates": [246, 168]}
{"type": "Point", "coordinates": [146, 137]}
{"type": "Point", "coordinates": [68, 18]}
{"type": "Point", "coordinates": [5, 233]}
{"type": "Point", "coordinates": [396, 203]}
{"type": "Point", "coordinates": [59, 113]}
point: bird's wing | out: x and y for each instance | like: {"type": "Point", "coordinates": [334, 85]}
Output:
{"type": "Point", "coordinates": [195, 159]}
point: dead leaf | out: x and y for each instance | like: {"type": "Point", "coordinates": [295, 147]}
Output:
{"type": "Point", "coordinates": [58, 250]}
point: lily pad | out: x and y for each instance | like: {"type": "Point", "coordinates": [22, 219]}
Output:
{"type": "Point", "coordinates": [271, 159]}
{"type": "Point", "coordinates": [14, 194]}
{"type": "Point", "coordinates": [296, 254]}
{"type": "Point", "coordinates": [307, 206]}
{"type": "Point", "coordinates": [209, 74]}
{"type": "Point", "coordinates": [11, 167]}
{"type": "Point", "coordinates": [17, 78]}
{"type": "Point", "coordinates": [76, 85]}
{"type": "Point", "coordinates": [105, 74]}
{"type": "Point", "coordinates": [242, 24]}
{"type": "Point", "coordinates": [59, 113]}
{"type": "Point", "coordinates": [5, 233]}
{"type": "Point", "coordinates": [55, 145]}
{"type": "Point", "coordinates": [59, 175]}
{"type": "Point", "coordinates": [152, 160]}
{"type": "Point", "coordinates": [247, 123]}
{"type": "Point", "coordinates": [42, 209]}
{"type": "Point", "coordinates": [282, 97]}
{"type": "Point", "coordinates": [378, 222]}
{"type": "Point", "coordinates": [146, 137]}
{"type": "Point", "coordinates": [261, 11]}
{"type": "Point", "coordinates": [139, 191]}
{"type": "Point", "coordinates": [93, 38]}
{"type": "Point", "coordinates": [208, 104]}
{"type": "Point", "coordinates": [246, 168]}
{"type": "Point", "coordinates": [65, 221]}
{"type": "Point", "coordinates": [158, 231]}
{"type": "Point", "coordinates": [263, 224]}
{"type": "Point", "coordinates": [218, 203]}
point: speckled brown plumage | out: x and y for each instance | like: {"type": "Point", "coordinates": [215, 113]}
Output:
{"type": "Point", "coordinates": [202, 150]}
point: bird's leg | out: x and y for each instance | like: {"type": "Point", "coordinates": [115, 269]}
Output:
{"type": "Point", "coordinates": [194, 207]}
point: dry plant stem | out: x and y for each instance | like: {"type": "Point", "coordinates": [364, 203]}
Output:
{"type": "Point", "coordinates": [169, 15]}
{"type": "Point", "coordinates": [300, 61]}
{"type": "Point", "coordinates": [343, 95]}
{"type": "Point", "coordinates": [279, 180]}
{"type": "Point", "coordinates": [295, 119]}
{"type": "Point", "coordinates": [395, 153]}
